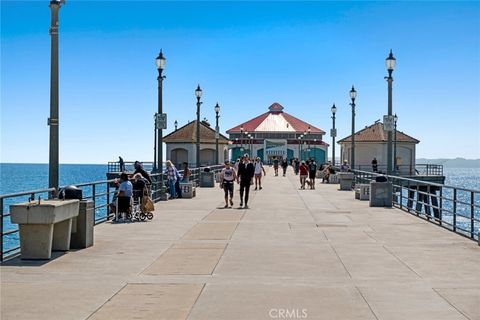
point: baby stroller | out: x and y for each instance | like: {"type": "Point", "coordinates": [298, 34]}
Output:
{"type": "Point", "coordinates": [140, 199]}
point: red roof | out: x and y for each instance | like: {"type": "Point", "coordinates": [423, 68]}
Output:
{"type": "Point", "coordinates": [275, 120]}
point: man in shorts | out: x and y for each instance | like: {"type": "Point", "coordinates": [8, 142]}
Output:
{"type": "Point", "coordinates": [275, 165]}
{"type": "Point", "coordinates": [258, 173]}
{"type": "Point", "coordinates": [227, 177]}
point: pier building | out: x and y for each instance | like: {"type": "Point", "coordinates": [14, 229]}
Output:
{"type": "Point", "coordinates": [372, 142]}
{"type": "Point", "coordinates": [181, 145]}
{"type": "Point", "coordinates": [278, 134]}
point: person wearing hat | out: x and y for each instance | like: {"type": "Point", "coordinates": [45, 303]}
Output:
{"type": "Point", "coordinates": [227, 177]}
{"type": "Point", "coordinates": [246, 171]}
{"type": "Point", "coordinates": [345, 167]}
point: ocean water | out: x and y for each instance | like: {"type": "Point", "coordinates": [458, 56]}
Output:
{"type": "Point", "coordinates": [17, 177]}
{"type": "Point", "coordinates": [24, 177]}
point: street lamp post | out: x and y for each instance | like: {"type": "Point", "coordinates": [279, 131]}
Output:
{"type": "Point", "coordinates": [53, 120]}
{"type": "Point", "coordinates": [217, 131]}
{"type": "Point", "coordinates": [241, 139]}
{"type": "Point", "coordinates": [299, 143]}
{"type": "Point", "coordinates": [395, 118]}
{"type": "Point", "coordinates": [175, 124]}
{"type": "Point", "coordinates": [333, 133]}
{"type": "Point", "coordinates": [160, 62]}
{"type": "Point", "coordinates": [198, 94]}
{"type": "Point", "coordinates": [353, 96]}
{"type": "Point", "coordinates": [309, 130]}
{"type": "Point", "coordinates": [390, 64]}
{"type": "Point", "coordinates": [154, 169]}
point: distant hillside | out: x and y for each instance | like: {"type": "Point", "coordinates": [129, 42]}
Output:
{"type": "Point", "coordinates": [452, 163]}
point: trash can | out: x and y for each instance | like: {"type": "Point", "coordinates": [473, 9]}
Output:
{"type": "Point", "coordinates": [381, 191]}
{"type": "Point", "coordinates": [207, 178]}
{"type": "Point", "coordinates": [82, 226]}
{"type": "Point", "coordinates": [70, 192]}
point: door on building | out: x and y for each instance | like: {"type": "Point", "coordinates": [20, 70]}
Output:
{"type": "Point", "coordinates": [289, 154]}
{"type": "Point", "coordinates": [260, 154]}
{"type": "Point", "coordinates": [207, 157]}
{"type": "Point", "coordinates": [179, 156]}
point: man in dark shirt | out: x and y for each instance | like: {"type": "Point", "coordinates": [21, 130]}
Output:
{"type": "Point", "coordinates": [139, 169]}
{"type": "Point", "coordinates": [246, 170]}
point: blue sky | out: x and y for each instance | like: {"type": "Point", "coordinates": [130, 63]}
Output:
{"type": "Point", "coordinates": [245, 55]}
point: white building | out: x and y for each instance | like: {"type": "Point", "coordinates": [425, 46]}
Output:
{"type": "Point", "coordinates": [372, 142]}
{"type": "Point", "coordinates": [182, 145]}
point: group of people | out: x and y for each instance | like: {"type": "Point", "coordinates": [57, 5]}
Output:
{"type": "Point", "coordinates": [306, 169]}
{"type": "Point", "coordinates": [135, 185]}
{"type": "Point", "coordinates": [243, 172]}
{"type": "Point", "coordinates": [283, 163]}
{"type": "Point", "coordinates": [174, 178]}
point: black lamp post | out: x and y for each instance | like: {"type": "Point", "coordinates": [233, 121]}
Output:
{"type": "Point", "coordinates": [299, 143]}
{"type": "Point", "coordinates": [353, 96]}
{"type": "Point", "coordinates": [390, 64]}
{"type": "Point", "coordinates": [309, 130]}
{"type": "Point", "coordinates": [395, 118]}
{"type": "Point", "coordinates": [160, 62]}
{"type": "Point", "coordinates": [53, 119]}
{"type": "Point", "coordinates": [333, 133]}
{"type": "Point", "coordinates": [198, 94]}
{"type": "Point", "coordinates": [217, 130]}
{"type": "Point", "coordinates": [241, 138]}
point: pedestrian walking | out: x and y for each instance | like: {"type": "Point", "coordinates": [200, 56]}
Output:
{"type": "Point", "coordinates": [296, 166]}
{"type": "Point", "coordinates": [246, 170]}
{"type": "Point", "coordinates": [258, 173]}
{"type": "Point", "coordinates": [227, 177]}
{"type": "Point", "coordinates": [284, 166]}
{"type": "Point", "coordinates": [303, 169]}
{"type": "Point", "coordinates": [275, 166]}
{"type": "Point", "coordinates": [312, 171]}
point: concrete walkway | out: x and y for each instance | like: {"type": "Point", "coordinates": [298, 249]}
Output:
{"type": "Point", "coordinates": [295, 254]}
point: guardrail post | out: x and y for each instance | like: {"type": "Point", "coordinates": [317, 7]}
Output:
{"type": "Point", "coordinates": [108, 201]}
{"type": "Point", "coordinates": [94, 199]}
{"type": "Point", "coordinates": [1, 229]}
{"type": "Point", "coordinates": [472, 215]}
{"type": "Point", "coordinates": [454, 209]}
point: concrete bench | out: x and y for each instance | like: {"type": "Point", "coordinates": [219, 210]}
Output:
{"type": "Point", "coordinates": [333, 178]}
{"type": "Point", "coordinates": [188, 190]}
{"type": "Point", "coordinates": [362, 191]}
{"type": "Point", "coordinates": [44, 226]}
{"type": "Point", "coordinates": [346, 180]}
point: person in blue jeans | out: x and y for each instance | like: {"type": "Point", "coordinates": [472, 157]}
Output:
{"type": "Point", "coordinates": [171, 173]}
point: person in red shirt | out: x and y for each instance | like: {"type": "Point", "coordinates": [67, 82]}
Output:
{"type": "Point", "coordinates": [303, 174]}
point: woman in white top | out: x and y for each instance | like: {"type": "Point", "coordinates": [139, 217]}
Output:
{"type": "Point", "coordinates": [258, 173]}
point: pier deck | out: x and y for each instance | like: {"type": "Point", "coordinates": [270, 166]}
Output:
{"type": "Point", "coordinates": [306, 254]}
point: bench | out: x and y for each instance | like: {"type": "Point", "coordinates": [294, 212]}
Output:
{"type": "Point", "coordinates": [188, 190]}
{"type": "Point", "coordinates": [44, 226]}
{"type": "Point", "coordinates": [362, 191]}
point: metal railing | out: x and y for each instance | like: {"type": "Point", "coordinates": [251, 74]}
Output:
{"type": "Point", "coordinates": [99, 192]}
{"type": "Point", "coordinates": [456, 209]}
{"type": "Point", "coordinates": [418, 169]}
